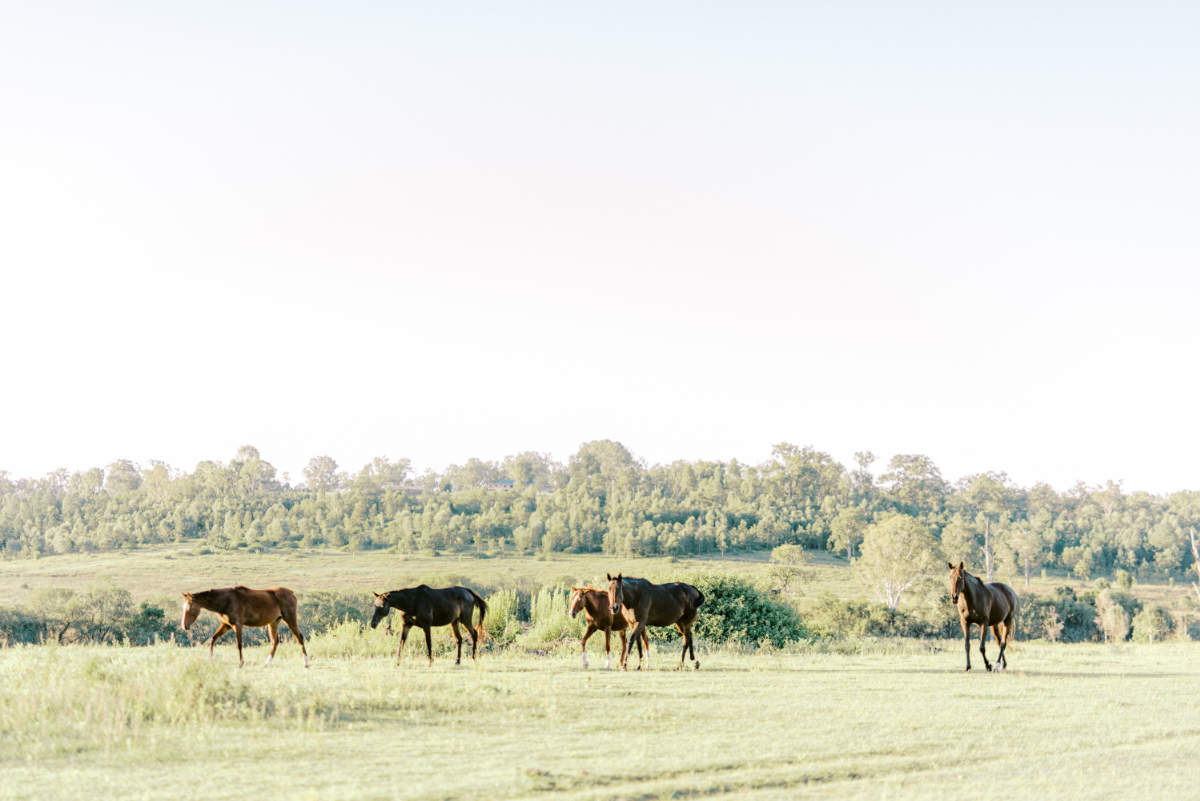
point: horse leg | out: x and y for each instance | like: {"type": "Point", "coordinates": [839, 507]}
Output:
{"type": "Point", "coordinates": [237, 630]}
{"type": "Point", "coordinates": [982, 642]}
{"type": "Point", "coordinates": [458, 637]}
{"type": "Point", "coordinates": [403, 636]}
{"type": "Point", "coordinates": [273, 632]}
{"type": "Point", "coordinates": [966, 630]}
{"type": "Point", "coordinates": [471, 632]}
{"type": "Point", "coordinates": [221, 631]}
{"type": "Point", "coordinates": [608, 647]}
{"type": "Point", "coordinates": [646, 641]}
{"type": "Point", "coordinates": [682, 656]}
{"type": "Point", "coordinates": [691, 646]}
{"type": "Point", "coordinates": [624, 645]}
{"type": "Point", "coordinates": [428, 644]}
{"type": "Point", "coordinates": [1001, 630]}
{"type": "Point", "coordinates": [591, 629]}
{"type": "Point", "coordinates": [638, 630]}
{"type": "Point", "coordinates": [290, 620]}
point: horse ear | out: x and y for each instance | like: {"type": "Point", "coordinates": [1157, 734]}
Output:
{"type": "Point", "coordinates": [960, 565]}
{"type": "Point", "coordinates": [377, 595]}
{"type": "Point", "coordinates": [609, 576]}
{"type": "Point", "coordinates": [187, 595]}
{"type": "Point", "coordinates": [618, 577]}
{"type": "Point", "coordinates": [950, 565]}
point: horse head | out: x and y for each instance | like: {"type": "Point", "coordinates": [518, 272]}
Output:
{"type": "Point", "coordinates": [191, 610]}
{"type": "Point", "coordinates": [958, 581]}
{"type": "Point", "coordinates": [577, 601]}
{"type": "Point", "coordinates": [381, 609]}
{"type": "Point", "coordinates": [615, 592]}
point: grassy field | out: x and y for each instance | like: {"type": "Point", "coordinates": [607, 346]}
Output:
{"type": "Point", "coordinates": [897, 720]}
{"type": "Point", "coordinates": [161, 573]}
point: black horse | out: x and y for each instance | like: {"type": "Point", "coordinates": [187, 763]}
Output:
{"type": "Point", "coordinates": [645, 604]}
{"type": "Point", "coordinates": [426, 607]}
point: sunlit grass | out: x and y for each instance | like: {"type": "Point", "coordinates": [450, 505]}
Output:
{"type": "Point", "coordinates": [890, 719]}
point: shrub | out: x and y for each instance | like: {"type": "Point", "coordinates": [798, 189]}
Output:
{"type": "Point", "coordinates": [20, 626]}
{"type": "Point", "coordinates": [549, 617]}
{"type": "Point", "coordinates": [736, 611]}
{"type": "Point", "coordinates": [1078, 617]}
{"type": "Point", "coordinates": [1152, 623]}
{"type": "Point", "coordinates": [834, 617]}
{"type": "Point", "coordinates": [502, 624]}
{"type": "Point", "coordinates": [325, 610]}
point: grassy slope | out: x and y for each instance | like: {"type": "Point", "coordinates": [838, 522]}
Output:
{"type": "Point", "coordinates": [162, 572]}
{"type": "Point", "coordinates": [158, 574]}
{"type": "Point", "coordinates": [1070, 722]}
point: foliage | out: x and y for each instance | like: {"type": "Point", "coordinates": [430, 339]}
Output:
{"type": "Point", "coordinates": [1063, 616]}
{"type": "Point", "coordinates": [735, 611]}
{"type": "Point", "coordinates": [849, 619]}
{"type": "Point", "coordinates": [603, 500]}
{"type": "Point", "coordinates": [549, 618]}
{"type": "Point", "coordinates": [787, 568]}
{"type": "Point", "coordinates": [898, 554]}
{"type": "Point", "coordinates": [1152, 624]}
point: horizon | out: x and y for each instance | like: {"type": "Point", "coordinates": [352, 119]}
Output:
{"type": "Point", "coordinates": [294, 478]}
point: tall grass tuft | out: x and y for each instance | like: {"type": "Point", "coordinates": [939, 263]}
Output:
{"type": "Point", "coordinates": [108, 696]}
{"type": "Point", "coordinates": [502, 623]}
{"type": "Point", "coordinates": [550, 619]}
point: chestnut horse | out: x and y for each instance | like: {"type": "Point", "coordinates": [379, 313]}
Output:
{"type": "Point", "coordinates": [598, 610]}
{"type": "Point", "coordinates": [675, 604]}
{"type": "Point", "coordinates": [425, 607]}
{"type": "Point", "coordinates": [241, 606]}
{"type": "Point", "coordinates": [992, 605]}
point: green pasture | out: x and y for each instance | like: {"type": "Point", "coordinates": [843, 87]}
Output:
{"type": "Point", "coordinates": [890, 719]}
{"type": "Point", "coordinates": [161, 572]}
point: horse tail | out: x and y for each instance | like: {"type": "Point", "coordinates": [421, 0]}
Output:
{"type": "Point", "coordinates": [1016, 605]}
{"type": "Point", "coordinates": [482, 604]}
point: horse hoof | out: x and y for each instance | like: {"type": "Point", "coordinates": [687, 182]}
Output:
{"type": "Point", "coordinates": [697, 665]}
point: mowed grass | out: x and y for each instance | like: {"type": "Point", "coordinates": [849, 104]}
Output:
{"type": "Point", "coordinates": [900, 720]}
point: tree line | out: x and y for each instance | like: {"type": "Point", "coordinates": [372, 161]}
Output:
{"type": "Point", "coordinates": [602, 500]}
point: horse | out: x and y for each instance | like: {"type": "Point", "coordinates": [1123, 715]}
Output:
{"type": "Point", "coordinates": [598, 610]}
{"type": "Point", "coordinates": [241, 606]}
{"type": "Point", "coordinates": [425, 607]}
{"type": "Point", "coordinates": [992, 605]}
{"type": "Point", "coordinates": [645, 604]}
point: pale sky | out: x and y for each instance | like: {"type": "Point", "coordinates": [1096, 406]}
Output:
{"type": "Point", "coordinates": [336, 229]}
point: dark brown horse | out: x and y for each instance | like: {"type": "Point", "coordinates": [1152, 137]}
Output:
{"type": "Point", "coordinates": [645, 604]}
{"type": "Point", "coordinates": [992, 605]}
{"type": "Point", "coordinates": [598, 610]}
{"type": "Point", "coordinates": [426, 607]}
{"type": "Point", "coordinates": [241, 606]}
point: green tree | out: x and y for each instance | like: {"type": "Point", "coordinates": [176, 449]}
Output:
{"type": "Point", "coordinates": [321, 474]}
{"type": "Point", "coordinates": [846, 530]}
{"type": "Point", "coordinates": [898, 554]}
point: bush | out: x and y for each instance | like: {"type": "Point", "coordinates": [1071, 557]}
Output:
{"type": "Point", "coordinates": [1073, 619]}
{"type": "Point", "coordinates": [502, 624]}
{"type": "Point", "coordinates": [550, 619]}
{"type": "Point", "coordinates": [1151, 624]}
{"type": "Point", "coordinates": [325, 610]}
{"type": "Point", "coordinates": [834, 617]}
{"type": "Point", "coordinates": [738, 612]}
{"type": "Point", "coordinates": [20, 626]}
